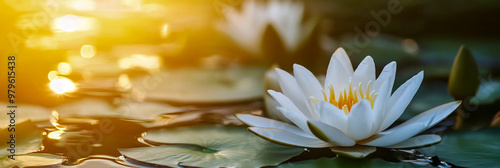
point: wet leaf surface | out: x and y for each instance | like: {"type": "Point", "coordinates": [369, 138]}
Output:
{"type": "Point", "coordinates": [210, 146]}
{"type": "Point", "coordinates": [205, 86]}
{"type": "Point", "coordinates": [479, 148]}
{"type": "Point", "coordinates": [28, 138]}
{"type": "Point", "coordinates": [25, 142]}
{"type": "Point", "coordinates": [345, 162]}
{"type": "Point", "coordinates": [31, 160]}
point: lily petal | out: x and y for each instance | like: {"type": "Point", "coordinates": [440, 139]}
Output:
{"type": "Point", "coordinates": [433, 116]}
{"type": "Point", "coordinates": [364, 72]}
{"type": "Point", "coordinates": [299, 120]}
{"type": "Point", "coordinates": [379, 106]}
{"type": "Point", "coordinates": [309, 85]}
{"type": "Point", "coordinates": [395, 135]}
{"type": "Point", "coordinates": [339, 71]}
{"type": "Point", "coordinates": [290, 111]}
{"type": "Point", "coordinates": [332, 115]}
{"type": "Point", "coordinates": [307, 81]}
{"type": "Point", "coordinates": [413, 126]}
{"type": "Point", "coordinates": [257, 121]}
{"type": "Point", "coordinates": [360, 120]}
{"type": "Point", "coordinates": [400, 100]}
{"type": "Point", "coordinates": [272, 111]}
{"type": "Point", "coordinates": [291, 89]}
{"type": "Point", "coordinates": [287, 138]}
{"type": "Point", "coordinates": [283, 101]}
{"type": "Point", "coordinates": [418, 141]}
{"type": "Point", "coordinates": [330, 134]}
{"type": "Point", "coordinates": [355, 151]}
{"type": "Point", "coordinates": [389, 71]}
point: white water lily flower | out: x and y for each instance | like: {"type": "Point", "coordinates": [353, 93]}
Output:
{"type": "Point", "coordinates": [351, 112]}
{"type": "Point", "coordinates": [246, 27]}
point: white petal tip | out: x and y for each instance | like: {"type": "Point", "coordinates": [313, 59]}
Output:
{"type": "Point", "coordinates": [340, 49]}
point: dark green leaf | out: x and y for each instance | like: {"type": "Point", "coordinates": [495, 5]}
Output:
{"type": "Point", "coordinates": [479, 148]}
{"type": "Point", "coordinates": [342, 162]}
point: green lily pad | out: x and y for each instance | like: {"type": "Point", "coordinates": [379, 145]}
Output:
{"type": "Point", "coordinates": [28, 139]}
{"type": "Point", "coordinates": [25, 112]}
{"type": "Point", "coordinates": [479, 148]}
{"type": "Point", "coordinates": [29, 160]}
{"type": "Point", "coordinates": [210, 146]}
{"type": "Point", "coordinates": [345, 162]}
{"type": "Point", "coordinates": [203, 86]}
{"type": "Point", "coordinates": [86, 108]}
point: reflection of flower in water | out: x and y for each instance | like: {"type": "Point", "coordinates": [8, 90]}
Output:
{"type": "Point", "coordinates": [350, 112]}
{"type": "Point", "coordinates": [247, 27]}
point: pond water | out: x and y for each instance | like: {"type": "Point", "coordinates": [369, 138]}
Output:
{"type": "Point", "coordinates": [93, 141]}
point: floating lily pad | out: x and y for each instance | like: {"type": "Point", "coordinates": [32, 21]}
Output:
{"type": "Point", "coordinates": [28, 138]}
{"type": "Point", "coordinates": [479, 148]}
{"type": "Point", "coordinates": [210, 146]}
{"type": "Point", "coordinates": [29, 160]}
{"type": "Point", "coordinates": [25, 112]}
{"type": "Point", "coordinates": [107, 163]}
{"type": "Point", "coordinates": [345, 162]}
{"type": "Point", "coordinates": [196, 85]}
{"type": "Point", "coordinates": [100, 108]}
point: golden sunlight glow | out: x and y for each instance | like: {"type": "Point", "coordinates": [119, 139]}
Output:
{"type": "Point", "coordinates": [164, 31]}
{"type": "Point", "coordinates": [133, 4]}
{"type": "Point", "coordinates": [42, 42]}
{"type": "Point", "coordinates": [62, 85]}
{"type": "Point", "coordinates": [124, 82]}
{"type": "Point", "coordinates": [55, 134]}
{"type": "Point", "coordinates": [88, 51]}
{"type": "Point", "coordinates": [72, 23]}
{"type": "Point", "coordinates": [54, 118]}
{"type": "Point", "coordinates": [148, 62]}
{"type": "Point", "coordinates": [348, 97]}
{"type": "Point", "coordinates": [80, 5]}
{"type": "Point", "coordinates": [52, 75]}
{"type": "Point", "coordinates": [64, 68]}
{"type": "Point", "coordinates": [153, 8]}
{"type": "Point", "coordinates": [60, 129]}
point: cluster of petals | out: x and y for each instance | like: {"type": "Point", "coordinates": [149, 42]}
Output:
{"type": "Point", "coordinates": [352, 111]}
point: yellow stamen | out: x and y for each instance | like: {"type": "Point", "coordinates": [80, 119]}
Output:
{"type": "Point", "coordinates": [314, 100]}
{"type": "Point", "coordinates": [348, 97]}
{"type": "Point", "coordinates": [346, 109]}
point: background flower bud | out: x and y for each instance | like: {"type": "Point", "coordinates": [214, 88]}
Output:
{"type": "Point", "coordinates": [464, 77]}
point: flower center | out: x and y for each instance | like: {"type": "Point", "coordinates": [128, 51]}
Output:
{"type": "Point", "coordinates": [348, 97]}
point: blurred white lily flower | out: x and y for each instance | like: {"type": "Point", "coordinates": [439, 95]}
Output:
{"type": "Point", "coordinates": [247, 27]}
{"type": "Point", "coordinates": [351, 112]}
